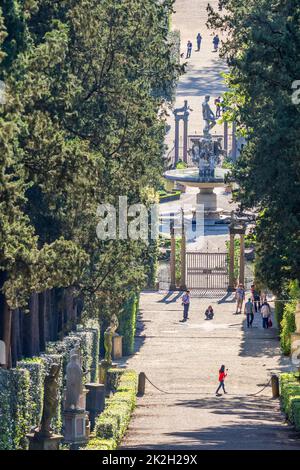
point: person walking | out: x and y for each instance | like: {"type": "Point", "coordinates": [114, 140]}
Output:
{"type": "Point", "coordinates": [266, 314]}
{"type": "Point", "coordinates": [186, 301]}
{"type": "Point", "coordinates": [216, 41]}
{"type": "Point", "coordinates": [222, 377]}
{"type": "Point", "coordinates": [249, 312]}
{"type": "Point", "coordinates": [240, 297]}
{"type": "Point", "coordinates": [199, 41]}
{"type": "Point", "coordinates": [189, 50]}
{"type": "Point", "coordinates": [255, 295]}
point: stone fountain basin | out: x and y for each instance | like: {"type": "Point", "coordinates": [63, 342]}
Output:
{"type": "Point", "coordinates": [190, 177]}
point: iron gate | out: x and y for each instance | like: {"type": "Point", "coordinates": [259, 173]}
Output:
{"type": "Point", "coordinates": [208, 271]}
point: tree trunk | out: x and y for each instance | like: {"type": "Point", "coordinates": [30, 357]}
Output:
{"type": "Point", "coordinates": [31, 328]}
{"type": "Point", "coordinates": [7, 315]}
{"type": "Point", "coordinates": [16, 346]}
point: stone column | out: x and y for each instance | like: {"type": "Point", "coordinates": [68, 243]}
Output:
{"type": "Point", "coordinates": [185, 137]}
{"type": "Point", "coordinates": [183, 262]}
{"type": "Point", "coordinates": [173, 260]}
{"type": "Point", "coordinates": [242, 259]}
{"type": "Point", "coordinates": [226, 138]}
{"type": "Point", "coordinates": [177, 119]}
{"type": "Point", "coordinates": [231, 263]}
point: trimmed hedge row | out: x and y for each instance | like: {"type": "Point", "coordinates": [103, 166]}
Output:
{"type": "Point", "coordinates": [87, 340]}
{"type": "Point", "coordinates": [22, 389]}
{"type": "Point", "coordinates": [288, 323]}
{"type": "Point", "coordinates": [14, 408]}
{"type": "Point", "coordinates": [290, 397]}
{"type": "Point", "coordinates": [112, 424]}
{"type": "Point", "coordinates": [127, 326]}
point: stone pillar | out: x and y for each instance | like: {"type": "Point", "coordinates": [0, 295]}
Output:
{"type": "Point", "coordinates": [242, 259]}
{"type": "Point", "coordinates": [142, 383]}
{"type": "Point", "coordinates": [183, 261]}
{"type": "Point", "coordinates": [185, 137]}
{"type": "Point", "coordinates": [173, 260]}
{"type": "Point", "coordinates": [44, 443]}
{"type": "Point", "coordinates": [231, 263]}
{"type": "Point", "coordinates": [295, 337]}
{"type": "Point", "coordinates": [226, 138]}
{"type": "Point", "coordinates": [208, 198]}
{"type": "Point", "coordinates": [177, 119]}
{"type": "Point", "coordinates": [275, 386]}
{"type": "Point", "coordinates": [95, 402]}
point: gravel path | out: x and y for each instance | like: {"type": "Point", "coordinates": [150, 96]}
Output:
{"type": "Point", "coordinates": [183, 358]}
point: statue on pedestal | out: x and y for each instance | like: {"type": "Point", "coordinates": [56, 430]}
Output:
{"type": "Point", "coordinates": [108, 338]}
{"type": "Point", "coordinates": [74, 387]}
{"type": "Point", "coordinates": [208, 116]}
{"type": "Point", "coordinates": [51, 386]}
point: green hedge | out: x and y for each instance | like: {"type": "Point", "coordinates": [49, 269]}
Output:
{"type": "Point", "coordinates": [6, 435]}
{"type": "Point", "coordinates": [113, 379]}
{"type": "Point", "coordinates": [278, 312]}
{"type": "Point", "coordinates": [169, 197]}
{"type": "Point", "coordinates": [87, 340]}
{"type": "Point", "coordinates": [288, 324]}
{"type": "Point", "coordinates": [36, 368]}
{"type": "Point", "coordinates": [112, 424]}
{"type": "Point", "coordinates": [15, 408]}
{"type": "Point", "coordinates": [290, 397]}
{"type": "Point", "coordinates": [127, 326]}
{"type": "Point", "coordinates": [22, 389]}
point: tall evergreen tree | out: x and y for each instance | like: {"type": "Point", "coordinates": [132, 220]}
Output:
{"type": "Point", "coordinates": [263, 39]}
{"type": "Point", "coordinates": [87, 83]}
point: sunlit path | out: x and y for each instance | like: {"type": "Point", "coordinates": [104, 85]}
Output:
{"type": "Point", "coordinates": [184, 359]}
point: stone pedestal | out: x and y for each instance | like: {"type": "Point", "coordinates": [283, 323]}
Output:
{"type": "Point", "coordinates": [95, 402]}
{"type": "Point", "coordinates": [103, 368]}
{"type": "Point", "coordinates": [117, 351]}
{"type": "Point", "coordinates": [180, 187]}
{"type": "Point", "coordinates": [37, 442]}
{"type": "Point", "coordinates": [75, 427]}
{"type": "Point", "coordinates": [208, 198]}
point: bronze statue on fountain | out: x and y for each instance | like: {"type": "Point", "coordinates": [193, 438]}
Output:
{"type": "Point", "coordinates": [206, 152]}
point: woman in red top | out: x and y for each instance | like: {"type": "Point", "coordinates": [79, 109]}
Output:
{"type": "Point", "coordinates": [222, 377]}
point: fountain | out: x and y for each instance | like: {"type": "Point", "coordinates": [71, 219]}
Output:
{"type": "Point", "coordinates": [207, 174]}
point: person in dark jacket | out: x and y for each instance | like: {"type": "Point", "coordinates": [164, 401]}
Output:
{"type": "Point", "coordinates": [209, 313]}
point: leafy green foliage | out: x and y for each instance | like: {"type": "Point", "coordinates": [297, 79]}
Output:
{"type": "Point", "coordinates": [262, 43]}
{"type": "Point", "coordinates": [290, 397]}
{"type": "Point", "coordinates": [127, 327]}
{"type": "Point", "coordinates": [6, 436]}
{"type": "Point", "coordinates": [83, 124]}
{"type": "Point", "coordinates": [112, 424]}
{"type": "Point", "coordinates": [15, 408]}
{"type": "Point", "coordinates": [288, 323]}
